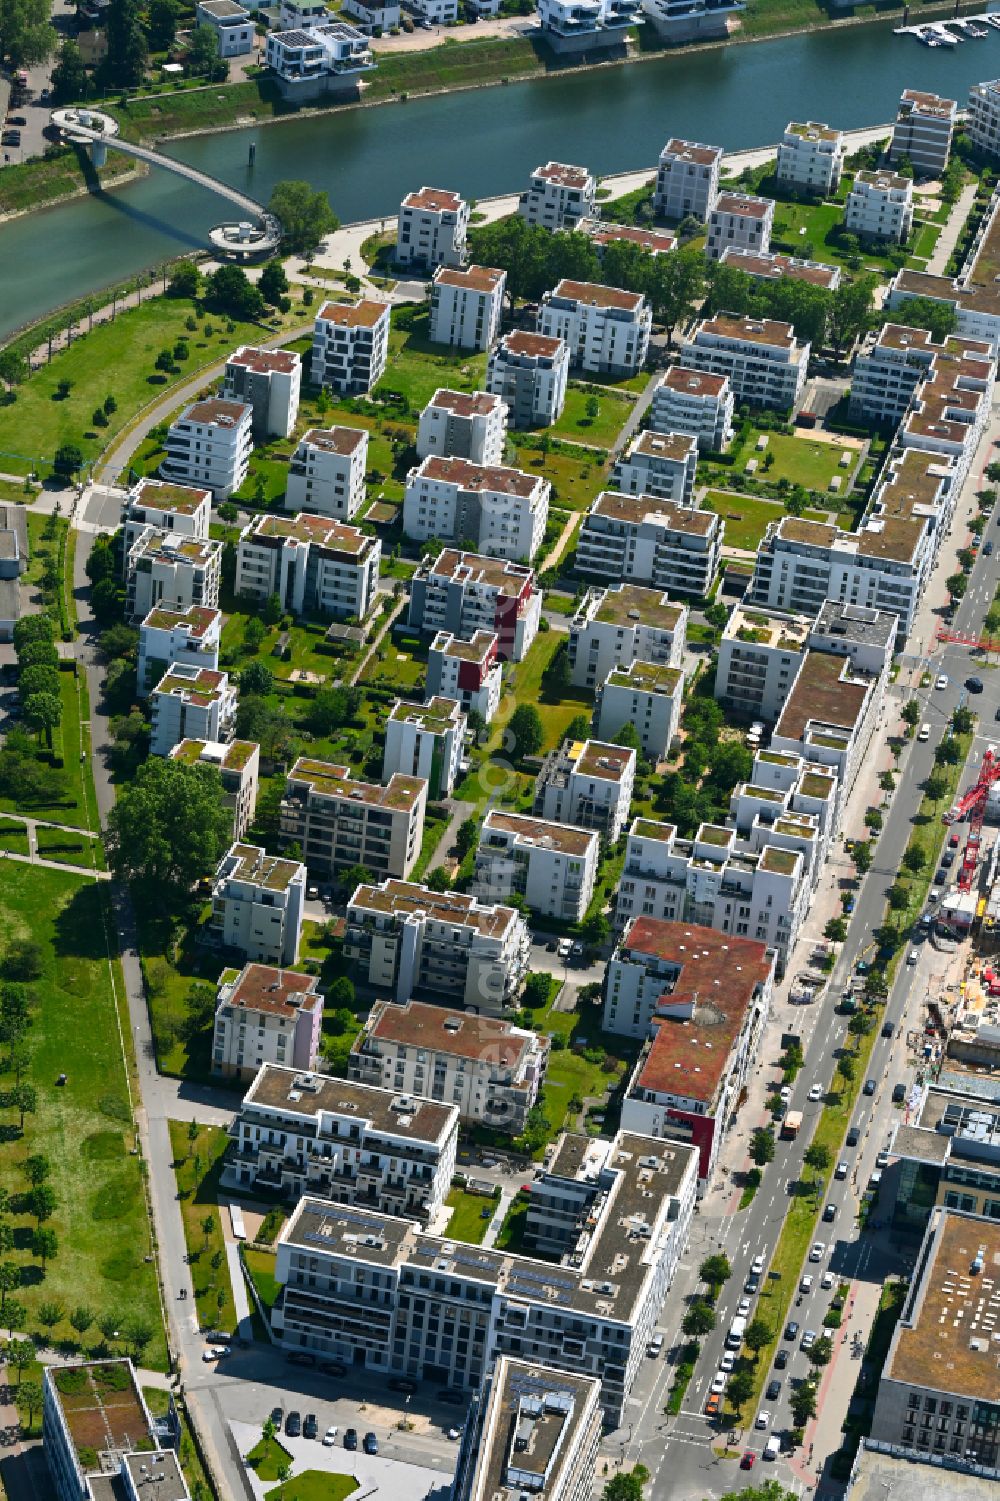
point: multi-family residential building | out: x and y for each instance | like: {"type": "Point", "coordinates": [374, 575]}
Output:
{"type": "Point", "coordinates": [895, 361]}
{"type": "Point", "coordinates": [706, 996]}
{"type": "Point", "coordinates": [642, 541]}
{"type": "Point", "coordinates": [191, 703]}
{"type": "Point", "coordinates": [463, 425]}
{"type": "Point", "coordinates": [695, 402]}
{"type": "Point", "coordinates": [409, 940]}
{"type": "Point", "coordinates": [587, 25]}
{"type": "Point", "coordinates": [880, 206]}
{"type": "Point", "coordinates": [662, 465]}
{"type": "Point", "coordinates": [588, 783]}
{"type": "Point", "coordinates": [647, 696]}
{"type": "Point", "coordinates": [530, 1428]}
{"type": "Point", "coordinates": [922, 133]}
{"type": "Point", "coordinates": [167, 637]}
{"type": "Point", "coordinates": [350, 346]}
{"type": "Point", "coordinates": [466, 306]}
{"type": "Point", "coordinates": [154, 505]}
{"type": "Point", "coordinates": [164, 570]}
{"type": "Point", "coordinates": [465, 592]}
{"type": "Point", "coordinates": [772, 266]}
{"type": "Point", "coordinates": [209, 446]}
{"type": "Point", "coordinates": [945, 1151]}
{"type": "Point", "coordinates": [295, 13]}
{"type": "Point", "coordinates": [99, 1438]}
{"type": "Point", "coordinates": [436, 12]}
{"type": "Point", "coordinates": [238, 765]}
{"type": "Point", "coordinates": [486, 1067]}
{"type": "Point", "coordinates": [765, 362]}
{"type": "Point", "coordinates": [373, 15]}
{"type": "Point", "coordinates": [714, 880]}
{"type": "Point", "coordinates": [550, 865]}
{"type": "Point", "coordinates": [431, 229]}
{"type": "Point", "coordinates": [559, 196]}
{"type": "Point", "coordinates": [530, 372]}
{"type": "Point", "coordinates": [653, 241]}
{"type": "Point", "coordinates": [311, 61]}
{"type": "Point", "coordinates": [937, 1392]}
{"type": "Point", "coordinates": [739, 219]}
{"type": "Point", "coordinates": [326, 473]}
{"type": "Point", "coordinates": [606, 329]}
{"type": "Point", "coordinates": [468, 671]}
{"type": "Point", "coordinates": [338, 821]}
{"type": "Point", "coordinates": [14, 552]}
{"type": "Point", "coordinates": [314, 564]}
{"type": "Point", "coordinates": [810, 158]}
{"type": "Point", "coordinates": [973, 293]}
{"type": "Point", "coordinates": [498, 510]}
{"type": "Point", "coordinates": [687, 179]}
{"type": "Point", "coordinates": [617, 1213]}
{"type": "Point", "coordinates": [613, 628]}
{"type": "Point", "coordinates": [343, 1142]}
{"type": "Point", "coordinates": [257, 902]}
{"type": "Point", "coordinates": [265, 1015]}
{"type": "Point", "coordinates": [982, 121]}
{"type": "Point", "coordinates": [691, 20]}
{"type": "Point", "coordinates": [425, 740]}
{"type": "Point", "coordinates": [268, 380]}
{"type": "Point", "coordinates": [232, 24]}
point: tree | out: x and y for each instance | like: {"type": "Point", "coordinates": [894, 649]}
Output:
{"type": "Point", "coordinates": [305, 215]}
{"type": "Point", "coordinates": [740, 1387]}
{"type": "Point", "coordinates": [32, 680]}
{"type": "Point", "coordinates": [914, 858]}
{"type": "Point", "coordinates": [207, 1227]}
{"type": "Point", "coordinates": [69, 76]}
{"type": "Point", "coordinates": [256, 678]}
{"type": "Point", "coordinates": [910, 713]}
{"type": "Point", "coordinates": [536, 1129]}
{"type": "Point", "coordinates": [24, 1098]}
{"type": "Point", "coordinates": [125, 62]}
{"type": "Point", "coordinates": [355, 876]}
{"type": "Point", "coordinates": [850, 309]}
{"type": "Point", "coordinates": [936, 786]}
{"type": "Point", "coordinates": [37, 1168]}
{"type": "Point", "coordinates": [699, 1319]}
{"type": "Point", "coordinates": [861, 854]}
{"type": "Point", "coordinates": [185, 279]}
{"type": "Point", "coordinates": [757, 1336]}
{"type": "Point", "coordinates": [536, 992]}
{"type": "Point", "coordinates": [525, 733]}
{"type": "Point", "coordinates": [822, 1351]}
{"type": "Point", "coordinates": [253, 634]}
{"type": "Point", "coordinates": [51, 1311]}
{"type": "Point", "coordinates": [836, 930]}
{"type": "Point", "coordinates": [138, 1333]}
{"type": "Point", "coordinates": [272, 610]}
{"type": "Point", "coordinates": [628, 737]}
{"type": "Point", "coordinates": [924, 312]}
{"type": "Point", "coordinates": [762, 1146]}
{"type": "Point", "coordinates": [42, 1202]}
{"type": "Point", "coordinates": [716, 1271]}
{"type": "Point", "coordinates": [229, 290]}
{"type": "Point", "coordinates": [897, 897]}
{"type": "Point", "coordinates": [170, 826]}
{"type": "Point", "coordinates": [962, 720]}
{"type": "Point", "coordinates": [202, 56]}
{"type": "Point", "coordinates": [273, 283]}
{"type": "Point", "coordinates": [68, 458]}
{"type": "Point", "coordinates": [803, 1403]}
{"type": "Point", "coordinates": [467, 838]}
{"type": "Point", "coordinates": [81, 1318]}
{"type": "Point", "coordinates": [20, 1353]}
{"type": "Point", "coordinates": [161, 24]}
{"type": "Point", "coordinates": [30, 1396]}
{"type": "Point", "coordinates": [846, 1067]}
{"type": "Point", "coordinates": [595, 930]}
{"type": "Point", "coordinates": [13, 367]}
{"type": "Point", "coordinates": [26, 37]}
{"type": "Point", "coordinates": [676, 283]}
{"type": "Point", "coordinates": [10, 1281]}
{"type": "Point", "coordinates": [817, 1157]}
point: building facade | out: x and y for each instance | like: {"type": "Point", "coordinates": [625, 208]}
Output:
{"type": "Point", "coordinates": [606, 329]}
{"type": "Point", "coordinates": [501, 511]}
{"type": "Point", "coordinates": [191, 702]}
{"type": "Point", "coordinates": [339, 822]}
{"type": "Point", "coordinates": [265, 1015]}
{"type": "Point", "coordinates": [465, 592]}
{"type": "Point", "coordinates": [653, 542]}
{"type": "Point", "coordinates": [326, 473]}
{"type": "Point", "coordinates": [662, 465]}
{"type": "Point", "coordinates": [530, 372]}
{"type": "Point", "coordinates": [209, 445]}
{"type": "Point", "coordinates": [695, 402]}
{"type": "Point", "coordinates": [267, 380]}
{"type": "Point", "coordinates": [627, 623]}
{"type": "Point", "coordinates": [552, 866]}
{"type": "Point", "coordinates": [687, 179]}
{"type": "Point", "coordinates": [559, 196]}
{"type": "Point", "coordinates": [764, 361]}
{"type": "Point", "coordinates": [588, 783]}
{"type": "Point", "coordinates": [922, 134]}
{"type": "Point", "coordinates": [880, 207]}
{"type": "Point", "coordinates": [467, 671]}
{"type": "Point", "coordinates": [742, 220]}
{"type": "Point", "coordinates": [431, 229]}
{"type": "Point", "coordinates": [238, 765]}
{"type": "Point", "coordinates": [350, 346]}
{"type": "Point", "coordinates": [811, 158]}
{"type": "Point", "coordinates": [463, 425]}
{"type": "Point", "coordinates": [257, 902]}
{"type": "Point", "coordinates": [167, 637]}
{"type": "Point", "coordinates": [425, 740]}
{"type": "Point", "coordinates": [649, 698]}
{"type": "Point", "coordinates": [314, 564]}
{"type": "Point", "coordinates": [466, 306]}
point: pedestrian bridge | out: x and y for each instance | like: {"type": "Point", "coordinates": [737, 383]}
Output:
{"type": "Point", "coordinates": [257, 233]}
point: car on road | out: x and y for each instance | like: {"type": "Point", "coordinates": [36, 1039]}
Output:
{"type": "Point", "coordinates": [898, 1093]}
{"type": "Point", "coordinates": [948, 860]}
{"type": "Point", "coordinates": [332, 1368]}
{"type": "Point", "coordinates": [826, 1280]}
{"type": "Point", "coordinates": [747, 1462]}
{"type": "Point", "coordinates": [953, 840]}
{"type": "Point", "coordinates": [655, 1345]}
{"type": "Point", "coordinates": [293, 1423]}
{"type": "Point", "coordinates": [400, 1384]}
{"type": "Point", "coordinates": [942, 682]}
{"type": "Point", "coordinates": [576, 951]}
{"type": "Point", "coordinates": [974, 685]}
{"type": "Point", "coordinates": [370, 1443]}
{"type": "Point", "coordinates": [913, 957]}
{"type": "Point", "coordinates": [727, 1361]}
{"type": "Point", "coordinates": [713, 1406]}
{"type": "Point", "coordinates": [773, 1390]}
{"type": "Point", "coordinates": [887, 1029]}
{"type": "Point", "coordinates": [817, 1250]}
{"type": "Point", "coordinates": [869, 1086]}
{"type": "Point", "coordinates": [310, 1428]}
{"type": "Point", "coordinates": [330, 1435]}
{"type": "Point", "coordinates": [829, 1213]}
{"type": "Point", "coordinates": [552, 946]}
{"type": "Point", "coordinates": [841, 1170]}
{"type": "Point", "coordinates": [792, 1329]}
{"type": "Point", "coordinates": [781, 1360]}
{"type": "Point", "coordinates": [743, 1308]}
{"type": "Point", "coordinates": [763, 1419]}
{"type": "Point", "coordinates": [757, 1266]}
{"type": "Point", "coordinates": [719, 1382]}
{"type": "Point", "coordinates": [772, 1448]}
{"type": "Point", "coordinates": [924, 734]}
{"type": "Point", "coordinates": [882, 1160]}
{"type": "Point", "coordinates": [854, 1136]}
{"type": "Point", "coordinates": [752, 1284]}
{"type": "Point", "coordinates": [808, 1339]}
{"type": "Point", "coordinates": [848, 905]}
{"type": "Point", "coordinates": [454, 1433]}
{"type": "Point", "coordinates": [350, 1438]}
{"type": "Point", "coordinates": [816, 1093]}
{"type": "Point", "coordinates": [210, 1354]}
{"type": "Point", "coordinates": [987, 549]}
{"type": "Point", "coordinates": [805, 1284]}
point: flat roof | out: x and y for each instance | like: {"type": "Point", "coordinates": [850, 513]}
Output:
{"type": "Point", "coordinates": [593, 294]}
{"type": "Point", "coordinates": [365, 313]}
{"type": "Point", "coordinates": [647, 677]}
{"type": "Point", "coordinates": [855, 623]}
{"type": "Point", "coordinates": [772, 265]}
{"type": "Point", "coordinates": [215, 412]}
{"type": "Point", "coordinates": [563, 175]}
{"type": "Point", "coordinates": [306, 527]}
{"type": "Point", "coordinates": [600, 759]}
{"type": "Point", "coordinates": [691, 151]}
{"type": "Point", "coordinates": [825, 691]}
{"type": "Point", "coordinates": [744, 204]}
{"type": "Point", "coordinates": [477, 648]}
{"type": "Point", "coordinates": [635, 604]}
{"type": "Point", "coordinates": [102, 1406]}
{"type": "Point", "coordinates": [812, 130]}
{"type": "Point", "coordinates": [637, 509]}
{"type": "Point", "coordinates": [468, 476]}
{"type": "Point", "coordinates": [478, 568]}
{"type": "Point", "coordinates": [536, 1418]}
{"type": "Point", "coordinates": [756, 627]}
{"type": "Point", "coordinates": [262, 987]}
{"type": "Point", "coordinates": [305, 1093]}
{"type": "Point", "coordinates": [174, 547]}
{"type": "Point", "coordinates": [339, 1229]}
{"type": "Point", "coordinates": [461, 1034]}
{"type": "Point", "coordinates": [929, 104]}
{"type": "Point", "coordinates": [678, 448]}
{"type": "Point", "coordinates": [471, 278]}
{"type": "Point", "coordinates": [883, 182]}
{"type": "Point", "coordinates": [564, 838]}
{"type": "Point", "coordinates": [342, 440]}
{"type": "Point", "coordinates": [436, 716]}
{"type": "Point", "coordinates": [196, 619]}
{"type": "Point", "coordinates": [534, 346]}
{"type": "Point", "coordinates": [465, 403]}
{"type": "Point", "coordinates": [656, 241]}
{"type": "Point", "coordinates": [261, 361]}
{"type": "Point", "coordinates": [326, 779]}
{"type": "Point", "coordinates": [896, 1477]}
{"type": "Point", "coordinates": [251, 863]}
{"type": "Point", "coordinates": [437, 200]}
{"type": "Point", "coordinates": [748, 330]}
{"type": "Point", "coordinates": [198, 685]}
{"type": "Point", "coordinates": [690, 382]}
{"type": "Point", "coordinates": [405, 898]}
{"type": "Point", "coordinates": [163, 495]}
{"type": "Point", "coordinates": [232, 756]}
{"type": "Point", "coordinates": [157, 1473]}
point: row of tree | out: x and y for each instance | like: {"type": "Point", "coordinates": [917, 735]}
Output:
{"type": "Point", "coordinates": [38, 675]}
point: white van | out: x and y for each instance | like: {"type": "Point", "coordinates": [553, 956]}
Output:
{"type": "Point", "coordinates": [924, 732]}
{"type": "Point", "coordinates": [772, 1448]}
{"type": "Point", "coordinates": [737, 1330]}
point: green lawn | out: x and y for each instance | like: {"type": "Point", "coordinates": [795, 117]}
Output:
{"type": "Point", "coordinates": [260, 1265]}
{"type": "Point", "coordinates": [797, 226]}
{"type": "Point", "coordinates": [416, 367]}
{"type": "Point", "coordinates": [169, 975]}
{"type": "Point", "coordinates": [747, 516]}
{"type": "Point", "coordinates": [85, 1127]}
{"type": "Point", "coordinates": [70, 848]}
{"type": "Point", "coordinates": [313, 1485]}
{"type": "Point", "coordinates": [468, 1221]}
{"type": "Point", "coordinates": [13, 836]}
{"type": "Point", "coordinates": [267, 1458]}
{"type": "Point", "coordinates": [601, 430]}
{"type": "Point", "coordinates": [802, 461]}
{"type": "Point", "coordinates": [524, 686]}
{"type": "Point", "coordinates": [198, 1167]}
{"type": "Point", "coordinates": [576, 478]}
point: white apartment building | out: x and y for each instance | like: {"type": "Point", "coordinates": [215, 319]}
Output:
{"type": "Point", "coordinates": [154, 505]}
{"type": "Point", "coordinates": [880, 207]}
{"type": "Point", "coordinates": [374, 16]}
{"type": "Point", "coordinates": [811, 158]}
{"type": "Point", "coordinates": [654, 241]}
{"type": "Point", "coordinates": [556, 1423]}
{"type": "Point", "coordinates": [238, 765]}
{"type": "Point", "coordinates": [830, 717]}
{"type": "Point", "coordinates": [551, 866]}
{"type": "Point", "coordinates": [607, 330]}
{"type": "Point", "coordinates": [293, 14]}
{"type": "Point", "coordinates": [467, 671]}
{"type": "Point", "coordinates": [772, 266]}
{"type": "Point", "coordinates": [487, 1068]}
{"type": "Point", "coordinates": [627, 623]}
{"type": "Point", "coordinates": [649, 697]}
{"type": "Point", "coordinates": [466, 306]}
{"type": "Point", "coordinates": [311, 61]}
{"type": "Point", "coordinates": [338, 821]}
{"type": "Point", "coordinates": [305, 1133]}
{"type": "Point", "coordinates": [164, 570]}
{"type": "Point", "coordinates": [77, 1399]}
{"type": "Point", "coordinates": [267, 380]}
{"type": "Point", "coordinates": [759, 657]}
{"type": "Point", "coordinates": [691, 20]}
{"type": "Point", "coordinates": [231, 23]}
{"type": "Point", "coordinates": [530, 371]}
{"type": "Point", "coordinates": [315, 565]}
{"type": "Point", "coordinates": [588, 783]}
{"type": "Point", "coordinates": [257, 902]}
{"type": "Point", "coordinates": [436, 12]}
{"type": "Point", "coordinates": [406, 940]}
{"type": "Point", "coordinates": [167, 637]}
{"type": "Point", "coordinates": [695, 402]}
{"type": "Point", "coordinates": [765, 362]}
{"type": "Point", "coordinates": [191, 703]}
{"type": "Point", "coordinates": [661, 465]}
{"type": "Point", "coordinates": [559, 196]}
{"type": "Point", "coordinates": [982, 122]}
{"type": "Point", "coordinates": [592, 1314]}
{"type": "Point", "coordinates": [265, 1015]}
{"type": "Point", "coordinates": [894, 361]}
{"type": "Point", "coordinates": [499, 510]}
{"type": "Point", "coordinates": [209, 446]}
{"type": "Point", "coordinates": [465, 592]}
{"type": "Point", "coordinates": [654, 542]}
{"type": "Point", "coordinates": [973, 293]}
{"type": "Point", "coordinates": [431, 229]}
{"type": "Point", "coordinates": [463, 425]}
{"type": "Point", "coordinates": [739, 219]}
{"type": "Point", "coordinates": [426, 741]}
{"type": "Point", "coordinates": [577, 26]}
{"type": "Point", "coordinates": [687, 179]}
{"type": "Point", "coordinates": [922, 133]}
{"type": "Point", "coordinates": [350, 346]}
{"type": "Point", "coordinates": [326, 473]}
{"type": "Point", "coordinates": [707, 996]}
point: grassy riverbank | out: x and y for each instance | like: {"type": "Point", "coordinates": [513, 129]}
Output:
{"type": "Point", "coordinates": [60, 174]}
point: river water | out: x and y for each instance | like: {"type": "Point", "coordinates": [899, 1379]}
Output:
{"type": "Point", "coordinates": [482, 142]}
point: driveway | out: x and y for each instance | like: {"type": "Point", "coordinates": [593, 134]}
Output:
{"type": "Point", "coordinates": [395, 1478]}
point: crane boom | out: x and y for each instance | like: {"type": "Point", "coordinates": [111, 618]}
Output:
{"type": "Point", "coordinates": [972, 806]}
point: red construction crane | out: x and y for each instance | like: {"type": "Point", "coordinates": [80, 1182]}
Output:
{"type": "Point", "coordinates": [961, 638]}
{"type": "Point", "coordinates": [972, 806]}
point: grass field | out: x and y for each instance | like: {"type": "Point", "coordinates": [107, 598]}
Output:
{"type": "Point", "coordinates": [747, 516]}
{"type": "Point", "coordinates": [70, 848]}
{"type": "Point", "coordinates": [576, 477]}
{"type": "Point", "coordinates": [267, 1458]}
{"type": "Point", "coordinates": [27, 185]}
{"type": "Point", "coordinates": [84, 1128]}
{"type": "Point", "coordinates": [13, 836]}
{"type": "Point", "coordinates": [198, 1167]}
{"type": "Point", "coordinates": [260, 1265]}
{"type": "Point", "coordinates": [416, 367]}
{"type": "Point", "coordinates": [819, 225]}
{"type": "Point", "coordinates": [468, 1222]}
{"type": "Point", "coordinates": [525, 687]}
{"type": "Point", "coordinates": [600, 430]}
{"type": "Point", "coordinates": [314, 1485]}
{"type": "Point", "coordinates": [802, 461]}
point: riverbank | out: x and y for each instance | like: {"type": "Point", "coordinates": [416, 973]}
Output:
{"type": "Point", "coordinates": [58, 178]}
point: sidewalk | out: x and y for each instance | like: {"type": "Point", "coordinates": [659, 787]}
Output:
{"type": "Point", "coordinates": [948, 238]}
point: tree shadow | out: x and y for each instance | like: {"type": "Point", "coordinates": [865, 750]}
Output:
{"type": "Point", "coordinates": [79, 928]}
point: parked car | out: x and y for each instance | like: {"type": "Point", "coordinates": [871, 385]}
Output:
{"type": "Point", "coordinates": [370, 1443]}
{"type": "Point", "coordinates": [882, 1160]}
{"type": "Point", "coordinates": [743, 1308]}
{"type": "Point", "coordinates": [757, 1266]}
{"type": "Point", "coordinates": [301, 1357]}
{"type": "Point", "coordinates": [808, 1339]}
{"type": "Point", "coordinates": [330, 1435]}
{"type": "Point", "coordinates": [401, 1384]}
{"type": "Point", "coordinates": [727, 1361]}
{"type": "Point", "coordinates": [310, 1428]}
{"type": "Point", "coordinates": [781, 1360]}
{"type": "Point", "coordinates": [719, 1382]}
{"type": "Point", "coordinates": [773, 1390]}
{"type": "Point", "coordinates": [452, 1397]}
{"type": "Point", "coordinates": [350, 1438]}
{"type": "Point", "coordinates": [898, 1093]}
{"type": "Point", "coordinates": [277, 1417]}
{"type": "Point", "coordinates": [332, 1368]}
{"type": "Point", "coordinates": [293, 1423]}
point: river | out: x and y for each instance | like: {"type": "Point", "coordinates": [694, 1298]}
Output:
{"type": "Point", "coordinates": [482, 142]}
